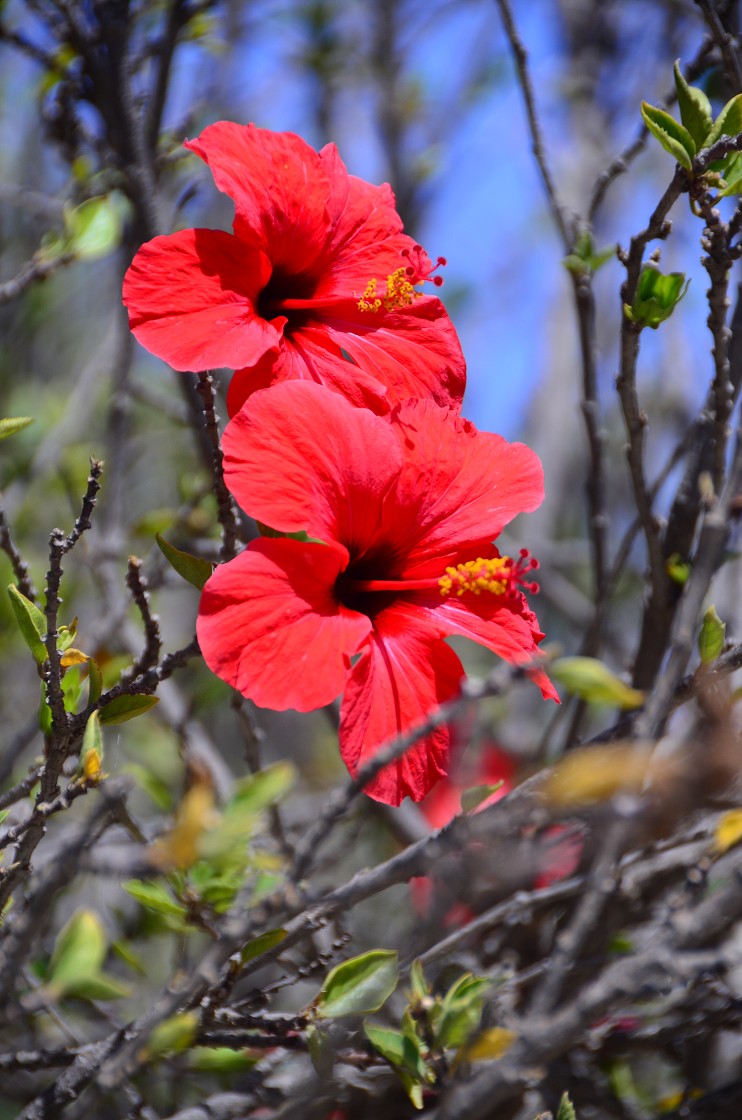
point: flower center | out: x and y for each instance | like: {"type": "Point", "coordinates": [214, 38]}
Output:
{"type": "Point", "coordinates": [400, 284]}
{"type": "Point", "coordinates": [498, 576]}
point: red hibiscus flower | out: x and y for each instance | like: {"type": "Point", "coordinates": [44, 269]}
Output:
{"type": "Point", "coordinates": [405, 506]}
{"type": "Point", "coordinates": [316, 282]}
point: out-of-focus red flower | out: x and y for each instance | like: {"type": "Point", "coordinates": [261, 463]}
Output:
{"type": "Point", "coordinates": [402, 510]}
{"type": "Point", "coordinates": [317, 281]}
{"type": "Point", "coordinates": [492, 766]}
{"type": "Point", "coordinates": [560, 847]}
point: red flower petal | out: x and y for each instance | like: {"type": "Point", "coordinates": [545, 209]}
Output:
{"type": "Point", "coordinates": [396, 355]}
{"type": "Point", "coordinates": [190, 297]}
{"type": "Point", "coordinates": [415, 351]}
{"type": "Point", "coordinates": [310, 354]}
{"type": "Point", "coordinates": [300, 457]}
{"type": "Point", "coordinates": [509, 629]}
{"type": "Point", "coordinates": [270, 625]}
{"type": "Point", "coordinates": [400, 677]}
{"type": "Point", "coordinates": [279, 186]}
{"type": "Point", "coordinates": [466, 485]}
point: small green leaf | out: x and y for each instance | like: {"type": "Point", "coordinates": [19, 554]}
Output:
{"type": "Point", "coordinates": [584, 257]}
{"type": "Point", "coordinates": [98, 986]}
{"type": "Point", "coordinates": [320, 1051]}
{"type": "Point", "coordinates": [154, 896]}
{"type": "Point", "coordinates": [566, 1109]}
{"type": "Point", "coordinates": [79, 952]}
{"type": "Point", "coordinates": [31, 622]}
{"type": "Point", "coordinates": [677, 569]}
{"type": "Point", "coordinates": [398, 1049]}
{"type": "Point", "coordinates": [593, 681]}
{"type": "Point", "coordinates": [359, 985]}
{"type": "Point", "coordinates": [124, 708]}
{"type": "Point", "coordinates": [418, 983]}
{"type": "Point", "coordinates": [732, 175]}
{"type": "Point", "coordinates": [673, 137]}
{"type": "Point", "coordinates": [301, 535]}
{"type": "Point", "coordinates": [461, 1010]}
{"type": "Point", "coordinates": [194, 569]}
{"type": "Point", "coordinates": [695, 109]}
{"type": "Point", "coordinates": [657, 295]}
{"type": "Point", "coordinates": [728, 122]}
{"type": "Point", "coordinates": [711, 636]}
{"type": "Point", "coordinates": [262, 944]}
{"type": "Point", "coordinates": [472, 798]}
{"type": "Point", "coordinates": [220, 1059]}
{"type": "Point", "coordinates": [91, 751]}
{"type": "Point", "coordinates": [9, 425]}
{"type": "Point", "coordinates": [95, 681]}
{"type": "Point", "coordinates": [259, 791]}
{"type": "Point", "coordinates": [94, 228]}
{"type": "Point", "coordinates": [173, 1035]}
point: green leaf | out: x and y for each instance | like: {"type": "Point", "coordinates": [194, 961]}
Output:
{"type": "Point", "coordinates": [94, 228]}
{"type": "Point", "coordinates": [398, 1049]}
{"type": "Point", "coordinates": [711, 636]}
{"type": "Point", "coordinates": [220, 1059]}
{"type": "Point", "coordinates": [584, 257]}
{"type": "Point", "coordinates": [79, 952]}
{"type": "Point", "coordinates": [657, 295]}
{"type": "Point", "coordinates": [154, 896]}
{"type": "Point", "coordinates": [194, 569]}
{"type": "Point", "coordinates": [173, 1035]}
{"type": "Point", "coordinates": [593, 681]}
{"type": "Point", "coordinates": [677, 569]}
{"type": "Point", "coordinates": [418, 983]}
{"type": "Point", "coordinates": [695, 109]}
{"type": "Point", "coordinates": [91, 751]}
{"type": "Point", "coordinates": [31, 622]}
{"type": "Point", "coordinates": [728, 122]}
{"type": "Point", "coordinates": [472, 798]}
{"type": "Point", "coordinates": [732, 175]}
{"type": "Point", "coordinates": [673, 137]}
{"type": "Point", "coordinates": [259, 791]}
{"type": "Point", "coordinates": [95, 681]}
{"type": "Point", "coordinates": [262, 944]}
{"type": "Point", "coordinates": [301, 535]}
{"type": "Point", "coordinates": [124, 708]}
{"type": "Point", "coordinates": [566, 1109]}
{"type": "Point", "coordinates": [461, 1010]}
{"type": "Point", "coordinates": [320, 1051]}
{"type": "Point", "coordinates": [9, 425]}
{"type": "Point", "coordinates": [359, 985]}
{"type": "Point", "coordinates": [98, 986]}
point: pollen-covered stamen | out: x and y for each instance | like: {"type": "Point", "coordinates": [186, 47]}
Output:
{"type": "Point", "coordinates": [500, 575]}
{"type": "Point", "coordinates": [400, 284]}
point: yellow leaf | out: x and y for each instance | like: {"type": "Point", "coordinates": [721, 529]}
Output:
{"type": "Point", "coordinates": [598, 773]}
{"type": "Point", "coordinates": [72, 657]}
{"type": "Point", "coordinates": [728, 831]}
{"type": "Point", "coordinates": [179, 848]}
{"type": "Point", "coordinates": [489, 1045]}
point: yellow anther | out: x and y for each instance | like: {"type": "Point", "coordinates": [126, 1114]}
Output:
{"type": "Point", "coordinates": [493, 576]}
{"type": "Point", "coordinates": [369, 301]}
{"type": "Point", "coordinates": [400, 292]}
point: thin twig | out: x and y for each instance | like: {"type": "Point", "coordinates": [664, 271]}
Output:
{"type": "Point", "coordinates": [564, 222]}
{"type": "Point", "coordinates": [224, 501]}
